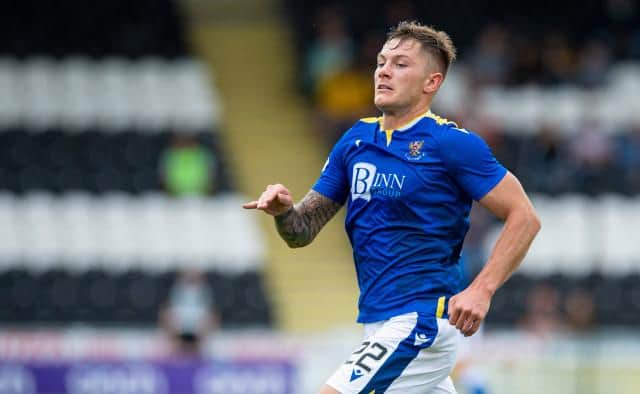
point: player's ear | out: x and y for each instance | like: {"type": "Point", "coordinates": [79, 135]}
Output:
{"type": "Point", "coordinates": [433, 82]}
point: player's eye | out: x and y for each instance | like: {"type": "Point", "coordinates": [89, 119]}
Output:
{"type": "Point", "coordinates": [401, 65]}
{"type": "Point", "coordinates": [380, 64]}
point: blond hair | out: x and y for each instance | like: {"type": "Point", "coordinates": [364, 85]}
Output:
{"type": "Point", "coordinates": [437, 43]}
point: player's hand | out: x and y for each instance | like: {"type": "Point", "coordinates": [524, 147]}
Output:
{"type": "Point", "coordinates": [275, 200]}
{"type": "Point", "coordinates": [468, 309]}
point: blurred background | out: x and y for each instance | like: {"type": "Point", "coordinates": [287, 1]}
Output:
{"type": "Point", "coordinates": [132, 132]}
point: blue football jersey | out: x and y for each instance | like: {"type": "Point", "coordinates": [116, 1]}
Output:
{"type": "Point", "coordinates": [408, 194]}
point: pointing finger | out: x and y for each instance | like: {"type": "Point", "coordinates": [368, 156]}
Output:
{"type": "Point", "coordinates": [250, 205]}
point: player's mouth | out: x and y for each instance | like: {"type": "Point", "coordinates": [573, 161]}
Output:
{"type": "Point", "coordinates": [383, 88]}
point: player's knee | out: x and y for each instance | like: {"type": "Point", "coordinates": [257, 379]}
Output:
{"type": "Point", "coordinates": [326, 389]}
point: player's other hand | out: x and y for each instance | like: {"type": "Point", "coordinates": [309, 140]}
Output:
{"type": "Point", "coordinates": [468, 309]}
{"type": "Point", "coordinates": [275, 200]}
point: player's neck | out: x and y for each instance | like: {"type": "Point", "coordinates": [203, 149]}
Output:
{"type": "Point", "coordinates": [393, 120]}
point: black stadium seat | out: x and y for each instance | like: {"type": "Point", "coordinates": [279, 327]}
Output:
{"type": "Point", "coordinates": [98, 296]}
{"type": "Point", "coordinates": [100, 29]}
{"type": "Point", "coordinates": [97, 162]}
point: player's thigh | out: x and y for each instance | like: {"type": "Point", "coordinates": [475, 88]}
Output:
{"type": "Point", "coordinates": [408, 354]}
{"type": "Point", "coordinates": [328, 390]}
{"type": "Point", "coordinates": [430, 369]}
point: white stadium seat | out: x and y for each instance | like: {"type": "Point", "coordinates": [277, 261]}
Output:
{"type": "Point", "coordinates": [118, 232]}
{"type": "Point", "coordinates": [39, 232]}
{"type": "Point", "coordinates": [113, 94]}
{"type": "Point", "coordinates": [580, 232]}
{"type": "Point", "coordinates": [620, 247]}
{"type": "Point", "coordinates": [573, 242]}
{"type": "Point", "coordinates": [112, 82]}
{"type": "Point", "coordinates": [118, 238]}
{"type": "Point", "coordinates": [153, 238]}
{"type": "Point", "coordinates": [156, 232]}
{"type": "Point", "coordinates": [79, 242]}
{"type": "Point", "coordinates": [41, 84]}
{"type": "Point", "coordinates": [9, 243]}
{"type": "Point", "coordinates": [79, 94]}
{"type": "Point", "coordinates": [155, 94]}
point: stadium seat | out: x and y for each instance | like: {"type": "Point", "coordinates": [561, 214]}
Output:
{"type": "Point", "coordinates": [37, 231]}
{"type": "Point", "coordinates": [9, 240]}
{"type": "Point", "coordinates": [79, 245]}
{"type": "Point", "coordinates": [574, 247]}
{"type": "Point", "coordinates": [9, 106]}
{"type": "Point", "coordinates": [620, 247]}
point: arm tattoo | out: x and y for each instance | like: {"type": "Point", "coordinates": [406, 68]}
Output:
{"type": "Point", "coordinates": [300, 225]}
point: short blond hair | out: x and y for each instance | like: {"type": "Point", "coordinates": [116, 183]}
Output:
{"type": "Point", "coordinates": [437, 43]}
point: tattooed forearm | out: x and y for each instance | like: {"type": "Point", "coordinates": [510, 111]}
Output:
{"type": "Point", "coordinates": [300, 225]}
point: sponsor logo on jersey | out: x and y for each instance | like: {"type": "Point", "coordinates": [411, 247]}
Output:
{"type": "Point", "coordinates": [367, 180]}
{"type": "Point", "coordinates": [415, 150]}
{"type": "Point", "coordinates": [421, 339]}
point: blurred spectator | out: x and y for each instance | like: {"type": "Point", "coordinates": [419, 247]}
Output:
{"type": "Point", "coordinates": [347, 95]}
{"type": "Point", "coordinates": [189, 315]}
{"type": "Point", "coordinates": [399, 10]}
{"type": "Point", "coordinates": [592, 153]}
{"type": "Point", "coordinates": [187, 167]}
{"type": "Point", "coordinates": [557, 59]}
{"type": "Point", "coordinates": [332, 49]}
{"type": "Point", "coordinates": [489, 59]}
{"type": "Point", "coordinates": [469, 373]}
{"type": "Point", "coordinates": [594, 61]}
{"type": "Point", "coordinates": [474, 243]}
{"type": "Point", "coordinates": [542, 163]}
{"type": "Point", "coordinates": [579, 307]}
{"type": "Point", "coordinates": [542, 315]}
{"type": "Point", "coordinates": [525, 60]}
{"type": "Point", "coordinates": [628, 159]}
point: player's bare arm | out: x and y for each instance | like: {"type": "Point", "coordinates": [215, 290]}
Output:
{"type": "Point", "coordinates": [297, 224]}
{"type": "Point", "coordinates": [508, 202]}
{"type": "Point", "coordinates": [300, 224]}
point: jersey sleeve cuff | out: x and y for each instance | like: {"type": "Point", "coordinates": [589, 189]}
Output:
{"type": "Point", "coordinates": [487, 187]}
{"type": "Point", "coordinates": [328, 194]}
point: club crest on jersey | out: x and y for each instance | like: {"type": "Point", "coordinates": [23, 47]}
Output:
{"type": "Point", "coordinates": [415, 152]}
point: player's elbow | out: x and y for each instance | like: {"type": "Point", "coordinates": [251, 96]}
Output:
{"type": "Point", "coordinates": [525, 217]}
{"type": "Point", "coordinates": [533, 221]}
{"type": "Point", "coordinates": [297, 243]}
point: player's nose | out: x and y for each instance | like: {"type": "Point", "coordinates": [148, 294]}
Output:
{"type": "Point", "coordinates": [383, 72]}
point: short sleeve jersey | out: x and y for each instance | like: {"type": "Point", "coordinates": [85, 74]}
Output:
{"type": "Point", "coordinates": [408, 194]}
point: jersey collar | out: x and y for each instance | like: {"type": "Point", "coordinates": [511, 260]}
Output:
{"type": "Point", "coordinates": [409, 124]}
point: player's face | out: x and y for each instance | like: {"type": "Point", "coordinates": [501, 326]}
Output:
{"type": "Point", "coordinates": [401, 74]}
